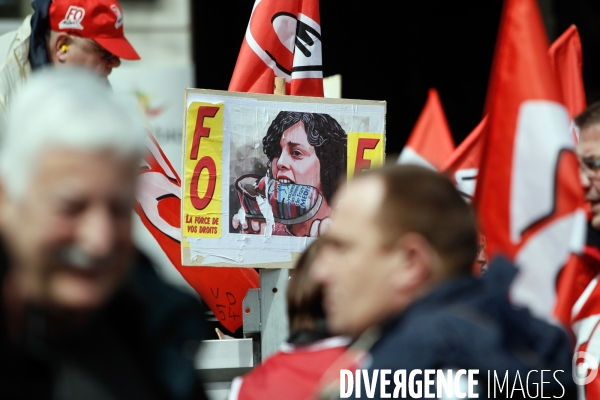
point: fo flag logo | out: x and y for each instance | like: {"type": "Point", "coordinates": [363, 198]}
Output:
{"type": "Point", "coordinates": [293, 41]}
{"type": "Point", "coordinates": [283, 39]}
{"type": "Point", "coordinates": [585, 368]}
{"type": "Point", "coordinates": [73, 18]}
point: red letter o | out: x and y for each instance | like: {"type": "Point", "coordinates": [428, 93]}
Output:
{"type": "Point", "coordinates": [201, 203]}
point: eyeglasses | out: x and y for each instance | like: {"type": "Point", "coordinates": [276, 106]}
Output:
{"type": "Point", "coordinates": [104, 54]}
{"type": "Point", "coordinates": [590, 166]}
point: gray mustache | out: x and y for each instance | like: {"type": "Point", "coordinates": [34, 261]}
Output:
{"type": "Point", "coordinates": [75, 257]}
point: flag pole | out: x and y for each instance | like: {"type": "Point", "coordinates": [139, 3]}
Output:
{"type": "Point", "coordinates": [279, 86]}
{"type": "Point", "coordinates": [273, 288]}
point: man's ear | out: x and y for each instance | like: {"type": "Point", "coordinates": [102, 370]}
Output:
{"type": "Point", "coordinates": [417, 262]}
{"type": "Point", "coordinates": [59, 48]}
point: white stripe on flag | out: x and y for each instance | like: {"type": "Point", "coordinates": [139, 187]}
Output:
{"type": "Point", "coordinates": [410, 156]}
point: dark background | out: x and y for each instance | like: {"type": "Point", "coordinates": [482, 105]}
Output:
{"type": "Point", "coordinates": [396, 51]}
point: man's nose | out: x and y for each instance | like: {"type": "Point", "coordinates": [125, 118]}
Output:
{"type": "Point", "coordinates": [96, 232]}
{"type": "Point", "coordinates": [114, 62]}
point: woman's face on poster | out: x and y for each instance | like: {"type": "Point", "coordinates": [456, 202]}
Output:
{"type": "Point", "coordinates": [298, 162]}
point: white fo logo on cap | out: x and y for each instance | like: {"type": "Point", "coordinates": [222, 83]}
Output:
{"type": "Point", "coordinates": [117, 12]}
{"type": "Point", "coordinates": [73, 18]}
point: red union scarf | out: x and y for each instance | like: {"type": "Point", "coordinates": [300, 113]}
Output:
{"type": "Point", "coordinates": [528, 196]}
{"type": "Point", "coordinates": [283, 39]}
{"type": "Point", "coordinates": [430, 143]}
{"type": "Point", "coordinates": [159, 207]}
{"type": "Point", "coordinates": [578, 307]}
{"type": "Point", "coordinates": [300, 367]}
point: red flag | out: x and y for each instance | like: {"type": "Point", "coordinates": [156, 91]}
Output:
{"type": "Point", "coordinates": [430, 143]}
{"type": "Point", "coordinates": [463, 165]}
{"type": "Point", "coordinates": [528, 194]}
{"type": "Point", "coordinates": [159, 207]}
{"type": "Point", "coordinates": [567, 62]}
{"type": "Point", "coordinates": [283, 39]}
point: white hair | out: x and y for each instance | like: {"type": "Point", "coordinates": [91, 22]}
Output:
{"type": "Point", "coordinates": [65, 108]}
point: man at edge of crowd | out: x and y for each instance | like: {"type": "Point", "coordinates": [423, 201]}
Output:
{"type": "Point", "coordinates": [85, 33]}
{"type": "Point", "coordinates": [577, 283]}
{"type": "Point", "coordinates": [401, 285]}
{"type": "Point", "coordinates": [84, 315]}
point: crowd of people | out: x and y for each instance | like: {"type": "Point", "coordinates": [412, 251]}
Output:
{"type": "Point", "coordinates": [83, 315]}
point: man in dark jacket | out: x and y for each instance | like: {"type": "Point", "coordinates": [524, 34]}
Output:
{"type": "Point", "coordinates": [83, 315]}
{"type": "Point", "coordinates": [396, 268]}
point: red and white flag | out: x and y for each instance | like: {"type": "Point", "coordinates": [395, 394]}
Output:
{"type": "Point", "coordinates": [430, 143]}
{"type": "Point", "coordinates": [283, 39]}
{"type": "Point", "coordinates": [528, 196]}
{"type": "Point", "coordinates": [567, 62]}
{"type": "Point", "coordinates": [463, 165]}
{"type": "Point", "coordinates": [158, 204]}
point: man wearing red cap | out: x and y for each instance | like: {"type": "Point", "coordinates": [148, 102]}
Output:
{"type": "Point", "coordinates": [88, 33]}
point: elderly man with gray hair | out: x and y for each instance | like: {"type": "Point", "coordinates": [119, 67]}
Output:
{"type": "Point", "coordinates": [83, 315]}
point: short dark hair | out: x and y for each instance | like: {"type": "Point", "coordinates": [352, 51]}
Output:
{"type": "Point", "coordinates": [426, 202]}
{"type": "Point", "coordinates": [590, 116]}
{"type": "Point", "coordinates": [323, 133]}
{"type": "Point", "coordinates": [304, 295]}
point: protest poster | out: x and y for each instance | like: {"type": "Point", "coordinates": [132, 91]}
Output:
{"type": "Point", "coordinates": [260, 171]}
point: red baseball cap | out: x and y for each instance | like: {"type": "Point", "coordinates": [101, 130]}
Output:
{"type": "Point", "coordinates": [99, 20]}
